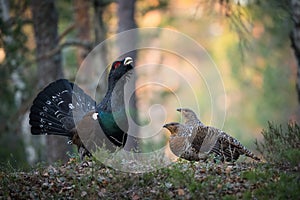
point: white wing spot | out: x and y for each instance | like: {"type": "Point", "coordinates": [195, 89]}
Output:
{"type": "Point", "coordinates": [71, 106]}
{"type": "Point", "coordinates": [95, 116]}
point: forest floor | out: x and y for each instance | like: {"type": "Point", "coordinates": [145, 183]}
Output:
{"type": "Point", "coordinates": [180, 180]}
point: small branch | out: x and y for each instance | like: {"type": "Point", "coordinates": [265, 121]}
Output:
{"type": "Point", "coordinates": [67, 31]}
{"type": "Point", "coordinates": [83, 44]}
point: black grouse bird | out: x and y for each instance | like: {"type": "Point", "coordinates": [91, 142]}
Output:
{"type": "Point", "coordinates": [64, 109]}
{"type": "Point", "coordinates": [194, 141]}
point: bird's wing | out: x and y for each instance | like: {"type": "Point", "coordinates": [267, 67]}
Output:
{"type": "Point", "coordinates": [178, 145]}
{"type": "Point", "coordinates": [197, 137]}
{"type": "Point", "coordinates": [91, 133]}
{"type": "Point", "coordinates": [210, 140]}
{"type": "Point", "coordinates": [181, 147]}
{"type": "Point", "coordinates": [82, 103]}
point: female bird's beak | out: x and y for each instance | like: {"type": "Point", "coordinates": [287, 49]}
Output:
{"type": "Point", "coordinates": [128, 60]}
{"type": "Point", "coordinates": [167, 126]}
{"type": "Point", "coordinates": [178, 109]}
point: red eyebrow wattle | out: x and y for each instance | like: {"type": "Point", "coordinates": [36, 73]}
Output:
{"type": "Point", "coordinates": [117, 64]}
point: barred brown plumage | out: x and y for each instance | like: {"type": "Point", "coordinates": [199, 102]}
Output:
{"type": "Point", "coordinates": [199, 140]}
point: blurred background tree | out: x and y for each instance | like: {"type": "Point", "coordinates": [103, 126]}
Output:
{"type": "Point", "coordinates": [248, 40]}
{"type": "Point", "coordinates": [49, 65]}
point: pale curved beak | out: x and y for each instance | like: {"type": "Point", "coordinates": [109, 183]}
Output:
{"type": "Point", "coordinates": [128, 60]}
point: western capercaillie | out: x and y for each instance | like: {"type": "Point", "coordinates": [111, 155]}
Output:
{"type": "Point", "coordinates": [200, 140]}
{"type": "Point", "coordinates": [64, 109]}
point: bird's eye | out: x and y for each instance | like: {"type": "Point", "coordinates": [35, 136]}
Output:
{"type": "Point", "coordinates": [116, 65]}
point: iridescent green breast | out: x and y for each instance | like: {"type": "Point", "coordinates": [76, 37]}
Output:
{"type": "Point", "coordinates": [114, 125]}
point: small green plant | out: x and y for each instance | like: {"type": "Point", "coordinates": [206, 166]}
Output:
{"type": "Point", "coordinates": [286, 186]}
{"type": "Point", "coordinates": [281, 146]}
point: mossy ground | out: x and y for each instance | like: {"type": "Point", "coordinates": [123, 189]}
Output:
{"type": "Point", "coordinates": [181, 180]}
{"type": "Point", "coordinates": [278, 177]}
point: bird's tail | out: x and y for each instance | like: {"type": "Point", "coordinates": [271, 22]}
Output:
{"type": "Point", "coordinates": [251, 155]}
{"type": "Point", "coordinates": [57, 109]}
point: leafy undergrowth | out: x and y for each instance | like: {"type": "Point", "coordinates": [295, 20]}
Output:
{"type": "Point", "coordinates": [181, 180]}
{"type": "Point", "coordinates": [281, 145]}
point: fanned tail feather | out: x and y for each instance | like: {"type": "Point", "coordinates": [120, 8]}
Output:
{"type": "Point", "coordinates": [57, 109]}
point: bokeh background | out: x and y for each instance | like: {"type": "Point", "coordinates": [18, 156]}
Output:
{"type": "Point", "coordinates": [248, 41]}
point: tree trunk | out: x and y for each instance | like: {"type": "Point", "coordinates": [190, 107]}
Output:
{"type": "Point", "coordinates": [126, 10]}
{"type": "Point", "coordinates": [100, 36]}
{"type": "Point", "coordinates": [82, 20]}
{"type": "Point", "coordinates": [295, 38]}
{"type": "Point", "coordinates": [49, 68]}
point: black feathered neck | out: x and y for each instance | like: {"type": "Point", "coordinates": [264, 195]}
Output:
{"type": "Point", "coordinates": [114, 97]}
{"type": "Point", "coordinates": [111, 110]}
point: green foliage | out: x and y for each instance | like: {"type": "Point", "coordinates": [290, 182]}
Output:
{"type": "Point", "coordinates": [14, 73]}
{"type": "Point", "coordinates": [260, 174]}
{"type": "Point", "coordinates": [14, 69]}
{"type": "Point", "coordinates": [264, 27]}
{"type": "Point", "coordinates": [271, 183]}
{"type": "Point", "coordinates": [281, 146]}
{"type": "Point", "coordinates": [12, 151]}
{"type": "Point", "coordinates": [287, 187]}
{"type": "Point", "coordinates": [276, 93]}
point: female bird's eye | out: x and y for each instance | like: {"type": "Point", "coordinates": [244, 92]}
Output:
{"type": "Point", "coordinates": [117, 64]}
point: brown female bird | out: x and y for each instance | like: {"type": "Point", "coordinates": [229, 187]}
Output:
{"type": "Point", "coordinates": [198, 140]}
